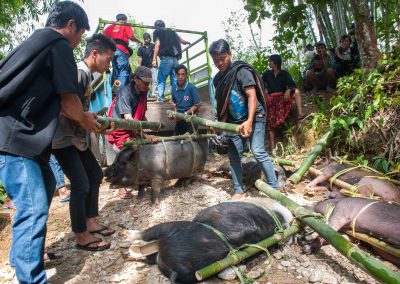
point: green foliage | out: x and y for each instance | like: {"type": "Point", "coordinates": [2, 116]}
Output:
{"type": "Point", "coordinates": [139, 32]}
{"type": "Point", "coordinates": [261, 62]}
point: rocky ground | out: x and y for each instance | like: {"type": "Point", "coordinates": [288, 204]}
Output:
{"type": "Point", "coordinates": [178, 202]}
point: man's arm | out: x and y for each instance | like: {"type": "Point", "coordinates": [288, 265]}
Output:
{"type": "Point", "coordinates": [247, 127]}
{"type": "Point", "coordinates": [156, 49]}
{"type": "Point", "coordinates": [133, 38]}
{"type": "Point", "coordinates": [71, 107]}
{"type": "Point", "coordinates": [181, 40]}
{"type": "Point", "coordinates": [139, 61]}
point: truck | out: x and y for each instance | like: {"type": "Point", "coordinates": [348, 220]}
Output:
{"type": "Point", "coordinates": [195, 57]}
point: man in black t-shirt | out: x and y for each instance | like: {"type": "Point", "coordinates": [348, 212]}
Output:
{"type": "Point", "coordinates": [38, 81]}
{"type": "Point", "coordinates": [145, 53]}
{"type": "Point", "coordinates": [168, 48]}
{"type": "Point", "coordinates": [240, 100]}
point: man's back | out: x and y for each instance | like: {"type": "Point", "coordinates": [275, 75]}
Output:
{"type": "Point", "coordinates": [169, 43]}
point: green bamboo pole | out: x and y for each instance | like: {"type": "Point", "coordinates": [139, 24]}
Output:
{"type": "Point", "coordinates": [128, 124]}
{"type": "Point", "coordinates": [283, 162]}
{"type": "Point", "coordinates": [241, 255]}
{"type": "Point", "coordinates": [136, 143]}
{"type": "Point", "coordinates": [230, 127]}
{"type": "Point", "coordinates": [366, 262]}
{"type": "Point", "coordinates": [309, 160]}
{"type": "Point", "coordinates": [375, 242]}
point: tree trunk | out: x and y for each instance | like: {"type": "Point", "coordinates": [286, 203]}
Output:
{"type": "Point", "coordinates": [365, 35]}
{"type": "Point", "coordinates": [329, 27]}
{"type": "Point", "coordinates": [320, 24]}
{"type": "Point", "coordinates": [398, 21]}
{"type": "Point", "coordinates": [310, 25]}
{"type": "Point", "coordinates": [386, 15]}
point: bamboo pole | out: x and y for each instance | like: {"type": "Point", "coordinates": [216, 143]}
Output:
{"type": "Point", "coordinates": [241, 255]}
{"type": "Point", "coordinates": [128, 124]}
{"type": "Point", "coordinates": [115, 86]}
{"type": "Point", "coordinates": [136, 143]}
{"type": "Point", "coordinates": [335, 181]}
{"type": "Point", "coordinates": [283, 162]}
{"type": "Point", "coordinates": [375, 242]}
{"type": "Point", "coordinates": [309, 160]}
{"type": "Point", "coordinates": [366, 262]}
{"type": "Point", "coordinates": [230, 127]}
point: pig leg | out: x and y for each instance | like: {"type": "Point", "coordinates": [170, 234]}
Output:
{"type": "Point", "coordinates": [141, 192]}
{"type": "Point", "coordinates": [336, 222]}
{"type": "Point", "coordinates": [321, 178]}
{"type": "Point", "coordinates": [156, 184]}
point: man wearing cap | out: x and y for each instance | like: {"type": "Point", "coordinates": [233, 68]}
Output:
{"type": "Point", "coordinates": [121, 33]}
{"type": "Point", "coordinates": [167, 45]}
{"type": "Point", "coordinates": [130, 103]}
{"type": "Point", "coordinates": [320, 72]}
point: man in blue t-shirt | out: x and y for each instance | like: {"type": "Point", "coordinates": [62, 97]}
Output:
{"type": "Point", "coordinates": [186, 99]}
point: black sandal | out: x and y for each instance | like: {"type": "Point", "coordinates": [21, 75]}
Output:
{"type": "Point", "coordinates": [88, 248]}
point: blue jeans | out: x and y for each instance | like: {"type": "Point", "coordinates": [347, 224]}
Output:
{"type": "Point", "coordinates": [257, 147]}
{"type": "Point", "coordinates": [154, 86]}
{"type": "Point", "coordinates": [120, 65]}
{"type": "Point", "coordinates": [30, 185]}
{"type": "Point", "coordinates": [57, 171]}
{"type": "Point", "coordinates": [166, 68]}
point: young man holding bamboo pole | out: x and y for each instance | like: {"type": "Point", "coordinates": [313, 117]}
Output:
{"type": "Point", "coordinates": [240, 100]}
{"type": "Point", "coordinates": [38, 82]}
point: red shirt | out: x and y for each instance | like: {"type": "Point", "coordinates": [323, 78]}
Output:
{"type": "Point", "coordinates": [119, 32]}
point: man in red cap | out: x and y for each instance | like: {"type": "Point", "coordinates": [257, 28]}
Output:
{"type": "Point", "coordinates": [121, 33]}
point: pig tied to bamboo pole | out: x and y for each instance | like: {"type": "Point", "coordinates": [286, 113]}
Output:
{"type": "Point", "coordinates": [363, 260]}
{"type": "Point", "coordinates": [229, 127]}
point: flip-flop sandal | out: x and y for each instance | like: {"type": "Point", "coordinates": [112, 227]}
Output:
{"type": "Point", "coordinates": [88, 248]}
{"type": "Point", "coordinates": [65, 199]}
{"type": "Point", "coordinates": [100, 232]}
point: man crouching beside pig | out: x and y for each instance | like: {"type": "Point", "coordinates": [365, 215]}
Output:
{"type": "Point", "coordinates": [130, 103]}
{"type": "Point", "coordinates": [240, 100]}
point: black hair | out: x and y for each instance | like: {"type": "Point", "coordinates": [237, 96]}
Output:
{"type": "Point", "coordinates": [343, 37]}
{"type": "Point", "coordinates": [276, 58]}
{"type": "Point", "coordinates": [219, 46]}
{"type": "Point", "coordinates": [309, 46]}
{"type": "Point", "coordinates": [159, 24]}
{"type": "Point", "coordinates": [99, 42]}
{"type": "Point", "coordinates": [146, 35]}
{"type": "Point", "coordinates": [65, 11]}
{"type": "Point", "coordinates": [179, 67]}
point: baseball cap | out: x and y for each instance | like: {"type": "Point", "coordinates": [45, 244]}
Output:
{"type": "Point", "coordinates": [144, 73]}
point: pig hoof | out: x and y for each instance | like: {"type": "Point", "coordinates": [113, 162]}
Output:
{"type": "Point", "coordinates": [307, 249]}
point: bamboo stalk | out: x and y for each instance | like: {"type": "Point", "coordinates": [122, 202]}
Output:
{"type": "Point", "coordinates": [283, 162]}
{"type": "Point", "coordinates": [239, 256]}
{"type": "Point", "coordinates": [230, 127]}
{"type": "Point", "coordinates": [375, 242]}
{"type": "Point", "coordinates": [136, 143]}
{"type": "Point", "coordinates": [128, 124]}
{"type": "Point", "coordinates": [366, 262]}
{"type": "Point", "coordinates": [309, 160]}
{"type": "Point", "coordinates": [115, 86]}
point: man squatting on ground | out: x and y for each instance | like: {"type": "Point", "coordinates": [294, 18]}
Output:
{"type": "Point", "coordinates": [71, 148]}
{"type": "Point", "coordinates": [186, 100]}
{"type": "Point", "coordinates": [240, 100]}
{"type": "Point", "coordinates": [38, 81]}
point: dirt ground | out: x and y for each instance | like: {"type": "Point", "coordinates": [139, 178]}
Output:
{"type": "Point", "coordinates": [178, 202]}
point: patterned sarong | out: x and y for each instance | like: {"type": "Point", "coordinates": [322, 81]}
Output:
{"type": "Point", "coordinates": [278, 109]}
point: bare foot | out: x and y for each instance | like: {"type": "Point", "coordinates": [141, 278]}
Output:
{"type": "Point", "coordinates": [92, 226]}
{"type": "Point", "coordinates": [238, 196]}
{"type": "Point", "coordinates": [123, 194]}
{"type": "Point", "coordinates": [86, 238]}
